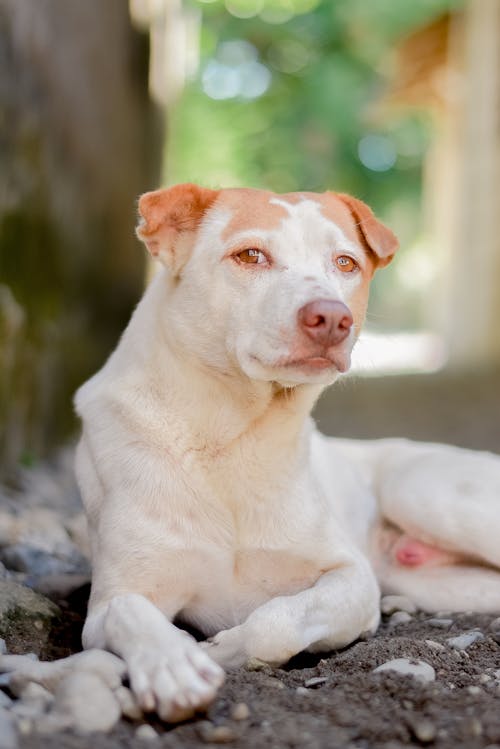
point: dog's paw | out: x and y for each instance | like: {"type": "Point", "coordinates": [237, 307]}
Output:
{"type": "Point", "coordinates": [177, 682]}
{"type": "Point", "coordinates": [227, 648]}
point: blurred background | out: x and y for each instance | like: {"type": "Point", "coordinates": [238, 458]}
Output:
{"type": "Point", "coordinates": [395, 101]}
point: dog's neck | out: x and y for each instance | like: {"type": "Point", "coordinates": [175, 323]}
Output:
{"type": "Point", "coordinates": [217, 408]}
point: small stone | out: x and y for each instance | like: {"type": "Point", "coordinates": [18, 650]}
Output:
{"type": "Point", "coordinates": [315, 681]}
{"type": "Point", "coordinates": [439, 623]}
{"type": "Point", "coordinates": [420, 670]}
{"type": "Point", "coordinates": [24, 726]}
{"type": "Point", "coordinates": [240, 711]}
{"type": "Point", "coordinates": [302, 690]}
{"type": "Point", "coordinates": [272, 681]}
{"type": "Point", "coordinates": [399, 617]}
{"type": "Point", "coordinates": [255, 664]}
{"type": "Point", "coordinates": [424, 730]}
{"type": "Point", "coordinates": [128, 704]}
{"type": "Point", "coordinates": [436, 646]}
{"type": "Point", "coordinates": [495, 624]}
{"type": "Point", "coordinates": [391, 604]}
{"type": "Point", "coordinates": [20, 607]}
{"type": "Point", "coordinates": [52, 723]}
{"type": "Point", "coordinates": [90, 703]}
{"type": "Point", "coordinates": [146, 732]}
{"type": "Point", "coordinates": [108, 667]}
{"type": "Point", "coordinates": [463, 641]}
{"type": "Point", "coordinates": [474, 689]}
{"type": "Point", "coordinates": [215, 734]}
{"type": "Point", "coordinates": [474, 727]}
{"type": "Point", "coordinates": [484, 678]}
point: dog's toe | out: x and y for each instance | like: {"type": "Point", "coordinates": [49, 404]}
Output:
{"type": "Point", "coordinates": [176, 685]}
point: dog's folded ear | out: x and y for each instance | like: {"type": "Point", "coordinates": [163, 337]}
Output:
{"type": "Point", "coordinates": [169, 220]}
{"type": "Point", "coordinates": [381, 240]}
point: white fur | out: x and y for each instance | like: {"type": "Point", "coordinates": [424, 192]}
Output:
{"type": "Point", "coordinates": [211, 497]}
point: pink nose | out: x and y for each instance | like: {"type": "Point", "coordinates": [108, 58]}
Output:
{"type": "Point", "coordinates": [325, 321]}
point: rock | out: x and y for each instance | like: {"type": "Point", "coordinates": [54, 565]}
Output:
{"type": "Point", "coordinates": [418, 669]}
{"type": "Point", "coordinates": [57, 586]}
{"type": "Point", "coordinates": [240, 711]}
{"type": "Point", "coordinates": [399, 617]}
{"type": "Point", "coordinates": [215, 734]}
{"type": "Point", "coordinates": [108, 667]}
{"type": "Point", "coordinates": [20, 610]}
{"type": "Point", "coordinates": [128, 704]}
{"type": "Point", "coordinates": [3, 646]}
{"type": "Point", "coordinates": [52, 723]}
{"type": "Point", "coordinates": [495, 624]}
{"type": "Point", "coordinates": [302, 690]}
{"type": "Point", "coordinates": [23, 557]}
{"type": "Point", "coordinates": [424, 730]}
{"type": "Point", "coordinates": [8, 732]}
{"type": "Point", "coordinates": [440, 623]}
{"type": "Point", "coordinates": [315, 681]}
{"type": "Point", "coordinates": [463, 641]}
{"type": "Point", "coordinates": [88, 701]}
{"type": "Point", "coordinates": [436, 646]}
{"type": "Point", "coordinates": [391, 604]}
{"type": "Point", "coordinates": [146, 732]}
{"type": "Point", "coordinates": [255, 664]}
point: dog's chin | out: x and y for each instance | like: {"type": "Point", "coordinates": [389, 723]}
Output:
{"type": "Point", "coordinates": [290, 372]}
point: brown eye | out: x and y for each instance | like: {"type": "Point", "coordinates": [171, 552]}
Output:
{"type": "Point", "coordinates": [252, 256]}
{"type": "Point", "coordinates": [346, 264]}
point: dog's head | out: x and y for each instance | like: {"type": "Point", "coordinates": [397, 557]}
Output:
{"type": "Point", "coordinates": [275, 286]}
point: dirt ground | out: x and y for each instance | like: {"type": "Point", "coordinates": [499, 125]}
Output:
{"type": "Point", "coordinates": [352, 707]}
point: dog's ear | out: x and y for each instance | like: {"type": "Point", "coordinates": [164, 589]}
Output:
{"type": "Point", "coordinates": [381, 240]}
{"type": "Point", "coordinates": [169, 220]}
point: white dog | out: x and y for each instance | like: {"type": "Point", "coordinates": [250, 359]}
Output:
{"type": "Point", "coordinates": [209, 494]}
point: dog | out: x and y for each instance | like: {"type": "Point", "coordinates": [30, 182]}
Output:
{"type": "Point", "coordinates": [211, 498]}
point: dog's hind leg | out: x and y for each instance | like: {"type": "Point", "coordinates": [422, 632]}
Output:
{"type": "Point", "coordinates": [444, 496]}
{"type": "Point", "coordinates": [454, 587]}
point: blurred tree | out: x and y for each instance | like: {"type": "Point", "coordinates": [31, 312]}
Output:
{"type": "Point", "coordinates": [79, 140]}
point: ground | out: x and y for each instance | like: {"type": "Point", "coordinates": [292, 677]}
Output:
{"type": "Point", "coordinates": [351, 707]}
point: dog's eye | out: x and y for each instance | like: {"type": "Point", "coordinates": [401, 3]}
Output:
{"type": "Point", "coordinates": [251, 256]}
{"type": "Point", "coordinates": [346, 264]}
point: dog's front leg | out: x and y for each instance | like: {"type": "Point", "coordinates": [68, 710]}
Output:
{"type": "Point", "coordinates": [341, 605]}
{"type": "Point", "coordinates": [169, 673]}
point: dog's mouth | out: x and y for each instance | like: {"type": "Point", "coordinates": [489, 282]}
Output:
{"type": "Point", "coordinates": [338, 360]}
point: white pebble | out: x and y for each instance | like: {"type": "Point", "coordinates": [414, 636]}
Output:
{"type": "Point", "coordinates": [433, 645]}
{"type": "Point", "coordinates": [240, 711]}
{"type": "Point", "coordinates": [439, 623]}
{"type": "Point", "coordinates": [463, 641]}
{"type": "Point", "coordinates": [391, 604]}
{"type": "Point", "coordinates": [399, 617]}
{"type": "Point", "coordinates": [315, 681]}
{"type": "Point", "coordinates": [419, 669]}
{"type": "Point", "coordinates": [90, 703]}
{"type": "Point", "coordinates": [146, 732]}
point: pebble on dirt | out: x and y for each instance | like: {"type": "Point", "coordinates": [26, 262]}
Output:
{"type": "Point", "coordinates": [461, 642]}
{"type": "Point", "coordinates": [405, 667]}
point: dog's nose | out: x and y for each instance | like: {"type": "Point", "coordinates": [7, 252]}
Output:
{"type": "Point", "coordinates": [326, 321]}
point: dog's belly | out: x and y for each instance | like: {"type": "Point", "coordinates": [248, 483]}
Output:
{"type": "Point", "coordinates": [228, 594]}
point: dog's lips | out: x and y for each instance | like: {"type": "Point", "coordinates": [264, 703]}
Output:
{"type": "Point", "coordinates": [338, 360]}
